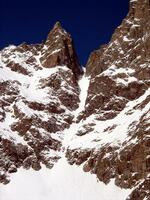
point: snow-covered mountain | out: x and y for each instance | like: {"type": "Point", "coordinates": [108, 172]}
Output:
{"type": "Point", "coordinates": [73, 133]}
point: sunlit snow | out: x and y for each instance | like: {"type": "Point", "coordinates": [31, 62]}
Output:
{"type": "Point", "coordinates": [62, 182]}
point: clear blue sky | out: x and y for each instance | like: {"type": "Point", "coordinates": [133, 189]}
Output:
{"type": "Point", "coordinates": [91, 22]}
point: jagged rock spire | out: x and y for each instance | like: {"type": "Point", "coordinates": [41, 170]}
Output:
{"type": "Point", "coordinates": [59, 50]}
{"type": "Point", "coordinates": [57, 31]}
{"type": "Point", "coordinates": [57, 25]}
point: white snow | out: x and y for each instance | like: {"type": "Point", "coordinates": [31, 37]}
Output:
{"type": "Point", "coordinates": [5, 128]}
{"type": "Point", "coordinates": [6, 132]}
{"type": "Point", "coordinates": [126, 39]}
{"type": "Point", "coordinates": [29, 87]}
{"type": "Point", "coordinates": [113, 71]}
{"type": "Point", "coordinates": [126, 81]}
{"type": "Point", "coordinates": [83, 85]}
{"type": "Point", "coordinates": [69, 134]}
{"type": "Point", "coordinates": [117, 128]}
{"type": "Point", "coordinates": [55, 51]}
{"type": "Point", "coordinates": [63, 181]}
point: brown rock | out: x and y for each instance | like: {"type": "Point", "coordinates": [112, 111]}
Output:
{"type": "Point", "coordinates": [60, 50]}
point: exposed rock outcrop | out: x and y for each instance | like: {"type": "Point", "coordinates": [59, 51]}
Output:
{"type": "Point", "coordinates": [43, 115]}
{"type": "Point", "coordinates": [59, 50]}
{"type": "Point", "coordinates": [118, 97]}
{"type": "Point", "coordinates": [39, 92]}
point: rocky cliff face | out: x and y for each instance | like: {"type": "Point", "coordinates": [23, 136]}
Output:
{"type": "Point", "coordinates": [39, 92]}
{"type": "Point", "coordinates": [100, 119]}
{"type": "Point", "coordinates": [114, 126]}
{"type": "Point", "coordinates": [59, 50]}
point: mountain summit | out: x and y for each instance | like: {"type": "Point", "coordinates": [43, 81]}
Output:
{"type": "Point", "coordinates": [59, 50]}
{"type": "Point", "coordinates": [69, 135]}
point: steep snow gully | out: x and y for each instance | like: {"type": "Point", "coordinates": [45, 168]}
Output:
{"type": "Point", "coordinates": [45, 121]}
{"type": "Point", "coordinates": [63, 180]}
{"type": "Point", "coordinates": [83, 85]}
{"type": "Point", "coordinates": [69, 134]}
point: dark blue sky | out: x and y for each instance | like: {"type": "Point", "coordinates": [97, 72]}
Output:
{"type": "Point", "coordinates": [91, 22]}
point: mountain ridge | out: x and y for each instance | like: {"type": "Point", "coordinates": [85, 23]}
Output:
{"type": "Point", "coordinates": [98, 120]}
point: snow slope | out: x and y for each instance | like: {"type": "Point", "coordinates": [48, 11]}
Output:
{"type": "Point", "coordinates": [62, 182]}
{"type": "Point", "coordinates": [106, 131]}
{"type": "Point", "coordinates": [48, 100]}
{"type": "Point", "coordinates": [83, 85]}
